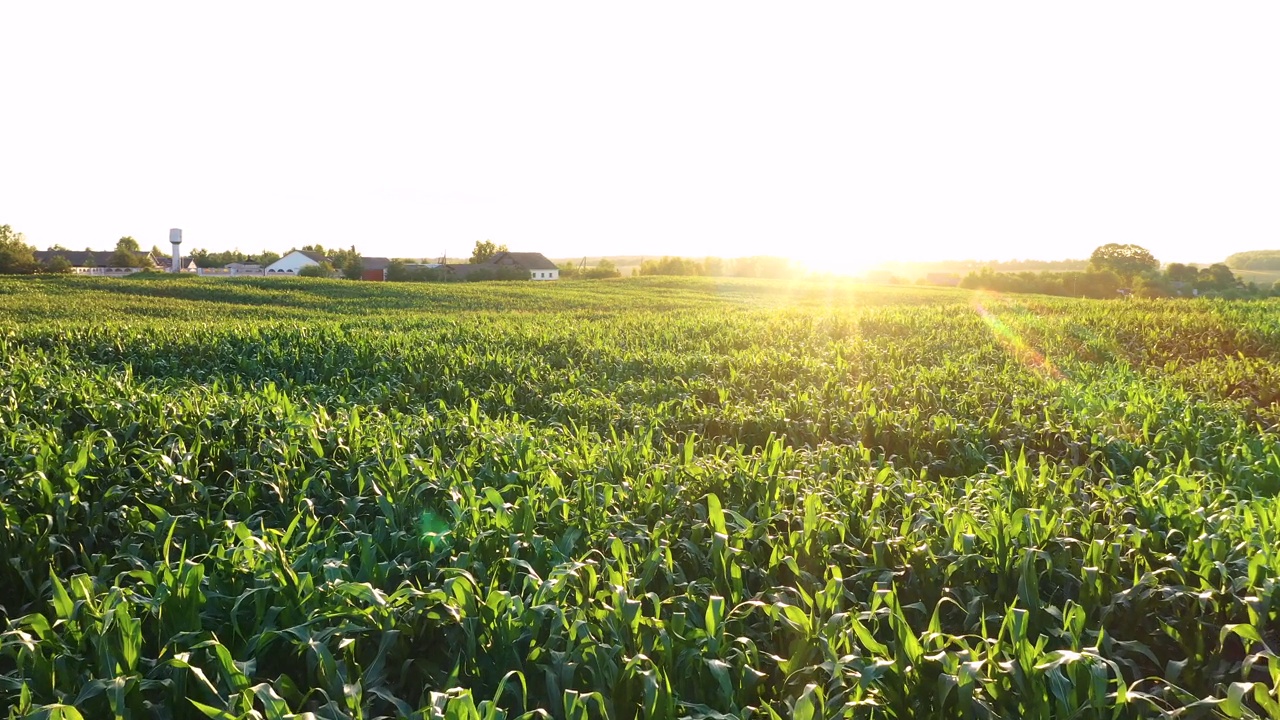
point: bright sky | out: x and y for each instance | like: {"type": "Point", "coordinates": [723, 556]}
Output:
{"type": "Point", "coordinates": [843, 132]}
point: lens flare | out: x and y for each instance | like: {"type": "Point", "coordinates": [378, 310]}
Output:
{"type": "Point", "coordinates": [435, 530]}
{"type": "Point", "coordinates": [1014, 343]}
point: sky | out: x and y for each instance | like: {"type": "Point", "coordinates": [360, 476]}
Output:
{"type": "Point", "coordinates": [841, 134]}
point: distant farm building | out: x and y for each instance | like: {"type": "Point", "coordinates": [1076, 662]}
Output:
{"type": "Point", "coordinates": [291, 263]}
{"type": "Point", "coordinates": [374, 268]}
{"type": "Point", "coordinates": [501, 266]}
{"type": "Point", "coordinates": [539, 267]}
{"type": "Point", "coordinates": [944, 279]}
{"type": "Point", "coordinates": [459, 271]}
{"type": "Point", "coordinates": [506, 264]}
{"type": "Point", "coordinates": [230, 270]}
{"type": "Point", "coordinates": [97, 262]}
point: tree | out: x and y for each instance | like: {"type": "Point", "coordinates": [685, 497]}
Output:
{"type": "Point", "coordinates": [1126, 261]}
{"type": "Point", "coordinates": [16, 256]}
{"type": "Point", "coordinates": [89, 259]}
{"type": "Point", "coordinates": [484, 250]}
{"type": "Point", "coordinates": [353, 268]}
{"type": "Point", "coordinates": [322, 270]}
{"type": "Point", "coordinates": [397, 271]}
{"type": "Point", "coordinates": [58, 265]}
{"type": "Point", "coordinates": [1071, 284]}
{"type": "Point", "coordinates": [763, 266]}
{"type": "Point", "coordinates": [346, 261]}
{"type": "Point", "coordinates": [266, 257]}
{"type": "Point", "coordinates": [1255, 260]}
{"type": "Point", "coordinates": [1217, 277]}
{"type": "Point", "coordinates": [1179, 273]}
{"type": "Point", "coordinates": [745, 267]}
{"type": "Point", "coordinates": [605, 269]}
{"type": "Point", "coordinates": [126, 254]}
{"type": "Point", "coordinates": [1152, 286]}
{"type": "Point", "coordinates": [205, 259]}
{"type": "Point", "coordinates": [671, 266]}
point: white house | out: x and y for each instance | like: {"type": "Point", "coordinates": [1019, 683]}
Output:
{"type": "Point", "coordinates": [293, 262]}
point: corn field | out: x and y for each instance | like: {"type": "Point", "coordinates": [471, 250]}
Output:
{"type": "Point", "coordinates": [656, 498]}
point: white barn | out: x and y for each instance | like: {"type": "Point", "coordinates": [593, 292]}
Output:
{"type": "Point", "coordinates": [293, 262]}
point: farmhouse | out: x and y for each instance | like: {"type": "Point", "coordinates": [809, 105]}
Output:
{"type": "Point", "coordinates": [505, 265]}
{"type": "Point", "coordinates": [96, 262]}
{"type": "Point", "coordinates": [539, 267]}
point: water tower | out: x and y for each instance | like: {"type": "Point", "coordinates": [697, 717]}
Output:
{"type": "Point", "coordinates": [175, 239]}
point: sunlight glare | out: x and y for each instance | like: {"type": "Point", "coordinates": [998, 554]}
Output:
{"type": "Point", "coordinates": [845, 259]}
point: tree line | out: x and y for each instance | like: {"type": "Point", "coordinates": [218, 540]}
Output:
{"type": "Point", "coordinates": [600, 271]}
{"type": "Point", "coordinates": [207, 259]}
{"type": "Point", "coordinates": [1118, 269]}
{"type": "Point", "coordinates": [1255, 260]}
{"type": "Point", "coordinates": [19, 258]}
{"type": "Point", "coordinates": [963, 267]}
{"type": "Point", "coordinates": [750, 267]}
